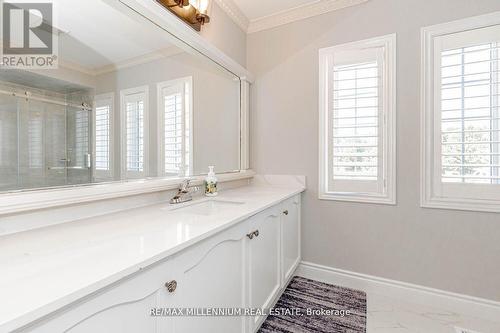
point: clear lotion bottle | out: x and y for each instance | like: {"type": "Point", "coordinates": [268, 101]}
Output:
{"type": "Point", "coordinates": [211, 183]}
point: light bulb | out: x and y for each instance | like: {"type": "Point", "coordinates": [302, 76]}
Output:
{"type": "Point", "coordinates": [203, 6]}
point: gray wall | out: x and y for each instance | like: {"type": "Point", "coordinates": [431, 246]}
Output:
{"type": "Point", "coordinates": [450, 250]}
{"type": "Point", "coordinates": [226, 35]}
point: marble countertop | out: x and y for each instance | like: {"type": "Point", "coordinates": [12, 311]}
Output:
{"type": "Point", "coordinates": [45, 269]}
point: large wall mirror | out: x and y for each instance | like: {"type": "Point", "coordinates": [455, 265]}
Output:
{"type": "Point", "coordinates": [127, 101]}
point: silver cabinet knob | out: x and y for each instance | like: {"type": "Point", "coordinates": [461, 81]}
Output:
{"type": "Point", "coordinates": [171, 286]}
{"type": "Point", "coordinates": [253, 234]}
{"type": "Point", "coordinates": [285, 212]}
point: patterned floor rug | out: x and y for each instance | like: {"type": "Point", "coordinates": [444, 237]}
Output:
{"type": "Point", "coordinates": [309, 306]}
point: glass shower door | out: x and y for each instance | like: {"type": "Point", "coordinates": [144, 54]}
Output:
{"type": "Point", "coordinates": [55, 143]}
{"type": "Point", "coordinates": [42, 144]}
{"type": "Point", "coordinates": [78, 145]}
{"type": "Point", "coordinates": [8, 142]}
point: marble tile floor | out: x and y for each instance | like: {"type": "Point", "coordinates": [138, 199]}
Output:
{"type": "Point", "coordinates": [387, 315]}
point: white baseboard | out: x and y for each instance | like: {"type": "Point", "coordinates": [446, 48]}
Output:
{"type": "Point", "coordinates": [471, 306]}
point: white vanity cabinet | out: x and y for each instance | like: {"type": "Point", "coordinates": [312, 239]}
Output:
{"type": "Point", "coordinates": [244, 266]}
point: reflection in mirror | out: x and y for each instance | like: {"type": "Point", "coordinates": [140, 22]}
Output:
{"type": "Point", "coordinates": [127, 101]}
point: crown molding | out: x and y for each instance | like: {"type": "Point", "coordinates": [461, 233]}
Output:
{"type": "Point", "coordinates": [143, 59]}
{"type": "Point", "coordinates": [76, 67]}
{"type": "Point", "coordinates": [234, 12]}
{"type": "Point", "coordinates": [299, 13]}
{"type": "Point", "coordinates": [135, 61]}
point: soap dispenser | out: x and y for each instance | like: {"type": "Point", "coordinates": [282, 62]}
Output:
{"type": "Point", "coordinates": [211, 183]}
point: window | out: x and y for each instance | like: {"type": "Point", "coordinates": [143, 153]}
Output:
{"type": "Point", "coordinates": [461, 142]}
{"type": "Point", "coordinates": [35, 140]}
{"type": "Point", "coordinates": [175, 127]}
{"type": "Point", "coordinates": [469, 115]}
{"type": "Point", "coordinates": [103, 136]}
{"type": "Point", "coordinates": [135, 132]}
{"type": "Point", "coordinates": [81, 138]}
{"type": "Point", "coordinates": [357, 121]}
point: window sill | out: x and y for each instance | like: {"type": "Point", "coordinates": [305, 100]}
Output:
{"type": "Point", "coordinates": [359, 198]}
{"type": "Point", "coordinates": [490, 206]}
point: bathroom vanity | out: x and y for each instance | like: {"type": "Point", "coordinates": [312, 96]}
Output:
{"type": "Point", "coordinates": [134, 270]}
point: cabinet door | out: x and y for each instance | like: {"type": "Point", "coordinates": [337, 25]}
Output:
{"type": "Point", "coordinates": [290, 235]}
{"type": "Point", "coordinates": [127, 317]}
{"type": "Point", "coordinates": [123, 308]}
{"type": "Point", "coordinates": [263, 261]}
{"type": "Point", "coordinates": [213, 277]}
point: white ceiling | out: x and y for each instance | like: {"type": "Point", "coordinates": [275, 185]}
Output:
{"type": "Point", "coordinates": [256, 9]}
{"type": "Point", "coordinates": [99, 35]}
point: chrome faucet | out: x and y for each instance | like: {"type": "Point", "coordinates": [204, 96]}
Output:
{"type": "Point", "coordinates": [184, 192]}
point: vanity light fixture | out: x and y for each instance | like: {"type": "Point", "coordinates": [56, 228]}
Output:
{"type": "Point", "coordinates": [194, 12]}
{"type": "Point", "coordinates": [182, 3]}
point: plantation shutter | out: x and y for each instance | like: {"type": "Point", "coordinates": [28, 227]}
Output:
{"type": "Point", "coordinates": [356, 121]}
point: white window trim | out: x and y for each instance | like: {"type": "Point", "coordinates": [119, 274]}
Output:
{"type": "Point", "coordinates": [389, 139]}
{"type": "Point", "coordinates": [123, 121]}
{"type": "Point", "coordinates": [428, 198]}
{"type": "Point", "coordinates": [99, 174]}
{"type": "Point", "coordinates": [161, 121]}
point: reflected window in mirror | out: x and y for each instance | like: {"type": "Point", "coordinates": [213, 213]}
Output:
{"type": "Point", "coordinates": [175, 127]}
{"type": "Point", "coordinates": [135, 129]}
{"type": "Point", "coordinates": [82, 139]}
{"type": "Point", "coordinates": [103, 136]}
{"type": "Point", "coordinates": [35, 140]}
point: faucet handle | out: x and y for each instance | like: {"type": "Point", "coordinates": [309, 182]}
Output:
{"type": "Point", "coordinates": [184, 185]}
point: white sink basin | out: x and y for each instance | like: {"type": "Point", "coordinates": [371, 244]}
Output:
{"type": "Point", "coordinates": [209, 207]}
